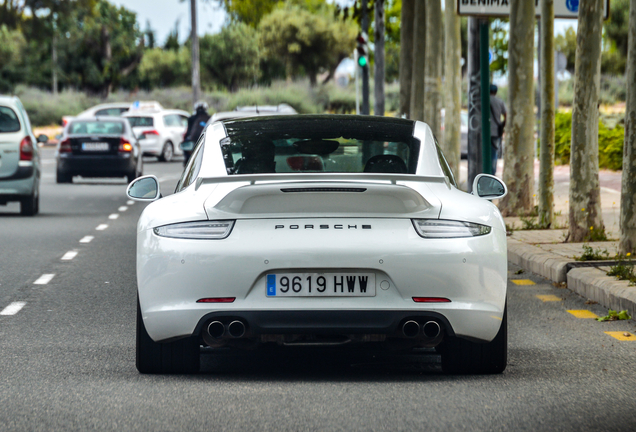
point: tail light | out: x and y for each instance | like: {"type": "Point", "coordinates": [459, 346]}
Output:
{"type": "Point", "coordinates": [124, 145]}
{"type": "Point", "coordinates": [65, 146]}
{"type": "Point", "coordinates": [26, 149]}
{"type": "Point", "coordinates": [151, 132]}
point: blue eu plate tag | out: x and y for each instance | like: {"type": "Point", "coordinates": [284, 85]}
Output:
{"type": "Point", "coordinates": [271, 285]}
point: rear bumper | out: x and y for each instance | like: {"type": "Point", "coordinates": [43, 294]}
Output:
{"type": "Point", "coordinates": [96, 166]}
{"type": "Point", "coordinates": [20, 184]}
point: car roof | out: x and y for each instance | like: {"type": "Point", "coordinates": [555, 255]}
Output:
{"type": "Point", "coordinates": [5, 99]}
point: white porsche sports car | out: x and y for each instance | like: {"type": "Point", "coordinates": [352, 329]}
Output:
{"type": "Point", "coordinates": [320, 230]}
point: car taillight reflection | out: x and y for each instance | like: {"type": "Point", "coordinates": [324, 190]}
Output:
{"type": "Point", "coordinates": [65, 146]}
{"type": "Point", "coordinates": [26, 149]}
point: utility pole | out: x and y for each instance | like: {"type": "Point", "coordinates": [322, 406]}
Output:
{"type": "Point", "coordinates": [365, 110]}
{"type": "Point", "coordinates": [54, 54]}
{"type": "Point", "coordinates": [474, 104]}
{"type": "Point", "coordinates": [378, 105]}
{"type": "Point", "coordinates": [194, 39]}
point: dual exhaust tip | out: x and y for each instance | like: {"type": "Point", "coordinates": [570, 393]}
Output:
{"type": "Point", "coordinates": [235, 329]}
{"type": "Point", "coordinates": [430, 329]}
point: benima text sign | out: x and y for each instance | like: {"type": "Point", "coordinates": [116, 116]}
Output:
{"type": "Point", "coordinates": [562, 8]}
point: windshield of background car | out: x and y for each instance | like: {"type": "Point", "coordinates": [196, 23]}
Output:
{"type": "Point", "coordinates": [96, 128]}
{"type": "Point", "coordinates": [113, 112]}
{"type": "Point", "coordinates": [8, 120]}
{"type": "Point", "coordinates": [140, 121]}
{"type": "Point", "coordinates": [315, 144]}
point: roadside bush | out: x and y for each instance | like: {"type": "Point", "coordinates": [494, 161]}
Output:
{"type": "Point", "coordinates": [610, 142]}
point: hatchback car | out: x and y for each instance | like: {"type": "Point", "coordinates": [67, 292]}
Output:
{"type": "Point", "coordinates": [19, 158]}
{"type": "Point", "coordinates": [160, 131]}
{"type": "Point", "coordinates": [98, 147]}
{"type": "Point", "coordinates": [320, 230]}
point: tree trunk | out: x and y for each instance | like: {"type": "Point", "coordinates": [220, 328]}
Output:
{"type": "Point", "coordinates": [519, 149]}
{"type": "Point", "coordinates": [54, 61]}
{"type": "Point", "coordinates": [417, 74]}
{"type": "Point", "coordinates": [364, 22]}
{"type": "Point", "coordinates": [378, 68]}
{"type": "Point", "coordinates": [452, 87]}
{"type": "Point", "coordinates": [585, 195]}
{"type": "Point", "coordinates": [194, 39]}
{"type": "Point", "coordinates": [406, 56]}
{"type": "Point", "coordinates": [627, 243]}
{"type": "Point", "coordinates": [433, 67]}
{"type": "Point", "coordinates": [546, 171]}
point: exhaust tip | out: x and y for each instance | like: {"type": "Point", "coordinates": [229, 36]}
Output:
{"type": "Point", "coordinates": [236, 329]}
{"type": "Point", "coordinates": [216, 329]}
{"type": "Point", "coordinates": [431, 329]}
{"type": "Point", "coordinates": [410, 328]}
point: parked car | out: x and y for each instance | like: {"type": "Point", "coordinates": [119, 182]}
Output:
{"type": "Point", "coordinates": [160, 130]}
{"type": "Point", "coordinates": [320, 230]}
{"type": "Point", "coordinates": [114, 109]}
{"type": "Point", "coordinates": [19, 157]}
{"type": "Point", "coordinates": [98, 147]}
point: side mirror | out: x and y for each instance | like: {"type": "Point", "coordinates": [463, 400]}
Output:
{"type": "Point", "coordinates": [489, 187]}
{"type": "Point", "coordinates": [42, 138]}
{"type": "Point", "coordinates": [144, 188]}
{"type": "Point", "coordinates": [187, 145]}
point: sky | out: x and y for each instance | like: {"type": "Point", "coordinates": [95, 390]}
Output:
{"type": "Point", "coordinates": [163, 14]}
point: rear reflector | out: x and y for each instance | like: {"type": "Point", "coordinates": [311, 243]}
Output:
{"type": "Point", "coordinates": [217, 300]}
{"type": "Point", "coordinates": [431, 300]}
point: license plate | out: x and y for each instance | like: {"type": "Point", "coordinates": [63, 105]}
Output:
{"type": "Point", "coordinates": [321, 285]}
{"type": "Point", "coordinates": [95, 146]}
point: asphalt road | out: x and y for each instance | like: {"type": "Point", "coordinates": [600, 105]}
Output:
{"type": "Point", "coordinates": [67, 355]}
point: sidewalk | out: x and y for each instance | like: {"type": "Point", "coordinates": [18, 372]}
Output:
{"type": "Point", "coordinates": [543, 251]}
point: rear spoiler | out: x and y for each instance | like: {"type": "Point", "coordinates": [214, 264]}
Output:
{"type": "Point", "coordinates": [327, 177]}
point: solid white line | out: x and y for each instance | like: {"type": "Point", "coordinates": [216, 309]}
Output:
{"type": "Point", "coordinates": [13, 308]}
{"type": "Point", "coordinates": [113, 216]}
{"type": "Point", "coordinates": [101, 227]}
{"type": "Point", "coordinates": [69, 255]}
{"type": "Point", "coordinates": [122, 209]}
{"type": "Point", "coordinates": [44, 279]}
{"type": "Point", "coordinates": [86, 239]}
{"type": "Point", "coordinates": [130, 202]}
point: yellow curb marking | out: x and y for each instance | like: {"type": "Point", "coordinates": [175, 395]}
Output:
{"type": "Point", "coordinates": [621, 335]}
{"type": "Point", "coordinates": [522, 282]}
{"type": "Point", "coordinates": [583, 313]}
{"type": "Point", "coordinates": [548, 298]}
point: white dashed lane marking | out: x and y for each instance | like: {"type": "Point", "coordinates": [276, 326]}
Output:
{"type": "Point", "coordinates": [13, 308]}
{"type": "Point", "coordinates": [101, 227]}
{"type": "Point", "coordinates": [122, 209]}
{"type": "Point", "coordinates": [86, 239]}
{"type": "Point", "coordinates": [130, 202]}
{"type": "Point", "coordinates": [113, 216]}
{"type": "Point", "coordinates": [69, 255]}
{"type": "Point", "coordinates": [44, 279]}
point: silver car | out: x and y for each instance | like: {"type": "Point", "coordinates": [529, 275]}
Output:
{"type": "Point", "coordinates": [19, 157]}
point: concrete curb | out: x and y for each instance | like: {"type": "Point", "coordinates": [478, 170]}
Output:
{"type": "Point", "coordinates": [589, 282]}
{"type": "Point", "coordinates": [536, 260]}
{"type": "Point", "coordinates": [594, 284]}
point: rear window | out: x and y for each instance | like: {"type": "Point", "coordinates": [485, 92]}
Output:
{"type": "Point", "coordinates": [314, 145]}
{"type": "Point", "coordinates": [8, 120]}
{"type": "Point", "coordinates": [113, 112]}
{"type": "Point", "coordinates": [96, 128]}
{"type": "Point", "coordinates": [140, 121]}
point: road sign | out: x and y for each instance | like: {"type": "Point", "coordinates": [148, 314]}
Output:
{"type": "Point", "coordinates": [564, 9]}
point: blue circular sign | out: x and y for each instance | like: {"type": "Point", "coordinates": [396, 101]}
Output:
{"type": "Point", "coordinates": [572, 5]}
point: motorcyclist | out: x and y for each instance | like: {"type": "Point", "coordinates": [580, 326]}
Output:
{"type": "Point", "coordinates": [196, 124]}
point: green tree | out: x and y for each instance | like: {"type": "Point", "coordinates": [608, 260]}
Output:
{"type": "Point", "coordinates": [307, 43]}
{"type": "Point", "coordinates": [566, 43]}
{"type": "Point", "coordinates": [12, 48]}
{"type": "Point", "coordinates": [165, 68]}
{"type": "Point", "coordinates": [231, 57]}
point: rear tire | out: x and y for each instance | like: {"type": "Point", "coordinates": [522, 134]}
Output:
{"type": "Point", "coordinates": [167, 152]}
{"type": "Point", "coordinates": [180, 357]}
{"type": "Point", "coordinates": [460, 356]}
{"type": "Point", "coordinates": [63, 177]}
{"type": "Point", "coordinates": [30, 206]}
